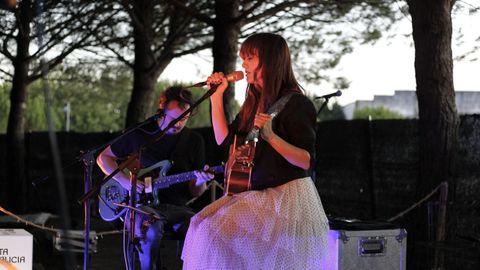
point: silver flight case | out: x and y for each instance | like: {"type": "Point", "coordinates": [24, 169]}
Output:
{"type": "Point", "coordinates": [368, 249]}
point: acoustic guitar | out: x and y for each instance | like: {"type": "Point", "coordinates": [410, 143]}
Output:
{"type": "Point", "coordinates": [239, 167]}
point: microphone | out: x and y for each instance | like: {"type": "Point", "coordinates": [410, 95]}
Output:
{"type": "Point", "coordinates": [232, 77]}
{"type": "Point", "coordinates": [336, 94]}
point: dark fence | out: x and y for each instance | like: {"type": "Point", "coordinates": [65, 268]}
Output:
{"type": "Point", "coordinates": [364, 170]}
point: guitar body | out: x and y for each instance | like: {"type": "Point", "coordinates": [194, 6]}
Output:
{"type": "Point", "coordinates": [112, 195]}
{"type": "Point", "coordinates": [239, 166]}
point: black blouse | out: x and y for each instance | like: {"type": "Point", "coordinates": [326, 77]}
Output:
{"type": "Point", "coordinates": [296, 125]}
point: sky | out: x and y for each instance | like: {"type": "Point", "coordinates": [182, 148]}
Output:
{"type": "Point", "coordinates": [377, 69]}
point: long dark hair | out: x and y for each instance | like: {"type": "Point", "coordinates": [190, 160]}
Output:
{"type": "Point", "coordinates": [278, 77]}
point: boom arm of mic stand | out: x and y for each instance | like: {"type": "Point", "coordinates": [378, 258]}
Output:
{"type": "Point", "coordinates": [174, 121]}
{"type": "Point", "coordinates": [323, 106]}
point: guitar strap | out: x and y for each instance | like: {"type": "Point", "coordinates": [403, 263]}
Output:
{"type": "Point", "coordinates": [276, 108]}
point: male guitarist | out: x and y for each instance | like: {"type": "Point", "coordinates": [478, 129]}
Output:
{"type": "Point", "coordinates": [180, 145]}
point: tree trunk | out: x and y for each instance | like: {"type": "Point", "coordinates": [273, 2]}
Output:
{"type": "Point", "coordinates": [17, 189]}
{"type": "Point", "coordinates": [438, 119]}
{"type": "Point", "coordinates": [225, 47]}
{"type": "Point", "coordinates": [145, 69]}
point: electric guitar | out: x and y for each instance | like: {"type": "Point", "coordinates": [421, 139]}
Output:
{"type": "Point", "coordinates": [112, 195]}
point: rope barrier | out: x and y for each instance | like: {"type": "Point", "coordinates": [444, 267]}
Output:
{"type": "Point", "coordinates": [49, 229]}
{"type": "Point", "coordinates": [401, 214]}
{"type": "Point", "coordinates": [28, 223]}
{"type": "Point", "coordinates": [101, 234]}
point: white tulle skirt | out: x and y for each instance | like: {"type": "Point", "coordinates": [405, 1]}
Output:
{"type": "Point", "coordinates": [277, 228]}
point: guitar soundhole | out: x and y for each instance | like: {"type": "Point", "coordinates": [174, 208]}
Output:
{"type": "Point", "coordinates": [247, 158]}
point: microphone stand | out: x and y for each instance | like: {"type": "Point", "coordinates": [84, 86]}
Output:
{"type": "Point", "coordinates": [87, 157]}
{"type": "Point", "coordinates": [88, 161]}
{"type": "Point", "coordinates": [314, 171]}
{"type": "Point", "coordinates": [134, 168]}
{"type": "Point", "coordinates": [327, 98]}
{"type": "Point", "coordinates": [135, 157]}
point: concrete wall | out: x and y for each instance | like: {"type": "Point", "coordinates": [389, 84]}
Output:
{"type": "Point", "coordinates": [405, 103]}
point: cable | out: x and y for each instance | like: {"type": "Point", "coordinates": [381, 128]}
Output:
{"type": "Point", "coordinates": [125, 251]}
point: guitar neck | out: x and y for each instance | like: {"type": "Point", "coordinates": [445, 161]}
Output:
{"type": "Point", "coordinates": [166, 181]}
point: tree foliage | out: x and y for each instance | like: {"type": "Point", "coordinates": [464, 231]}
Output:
{"type": "Point", "coordinates": [334, 112]}
{"type": "Point", "coordinates": [98, 100]}
{"type": "Point", "coordinates": [376, 113]}
{"type": "Point", "coordinates": [4, 106]}
{"type": "Point", "coordinates": [48, 29]}
{"type": "Point", "coordinates": [146, 35]}
{"type": "Point", "coordinates": [30, 32]}
{"type": "Point", "coordinates": [314, 29]}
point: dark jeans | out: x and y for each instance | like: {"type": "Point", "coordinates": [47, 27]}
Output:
{"type": "Point", "coordinates": [149, 231]}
